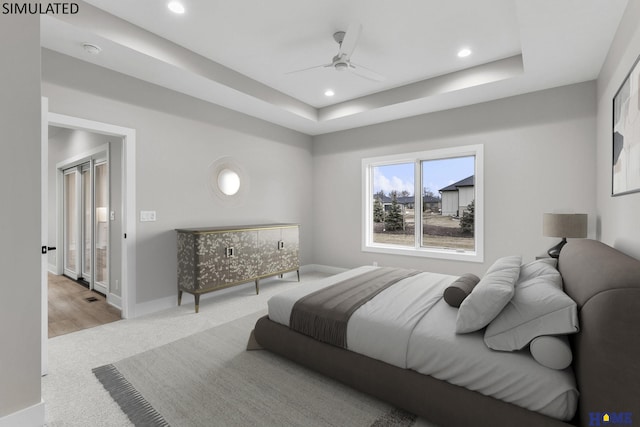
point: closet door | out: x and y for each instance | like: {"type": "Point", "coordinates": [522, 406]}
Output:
{"type": "Point", "coordinates": [86, 224]}
{"type": "Point", "coordinates": [72, 226]}
{"type": "Point", "coordinates": [87, 221]}
{"type": "Point", "coordinates": [101, 227]}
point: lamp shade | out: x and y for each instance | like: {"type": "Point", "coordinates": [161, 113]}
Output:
{"type": "Point", "coordinates": [564, 225]}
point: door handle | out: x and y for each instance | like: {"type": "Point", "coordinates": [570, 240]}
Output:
{"type": "Point", "coordinates": [46, 249]}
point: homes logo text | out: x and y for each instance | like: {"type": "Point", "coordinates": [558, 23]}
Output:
{"type": "Point", "coordinates": [37, 8]}
{"type": "Point", "coordinates": [597, 419]}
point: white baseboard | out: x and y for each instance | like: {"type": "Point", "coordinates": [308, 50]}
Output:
{"type": "Point", "coordinates": [160, 304]}
{"type": "Point", "coordinates": [165, 303]}
{"type": "Point", "coordinates": [144, 308]}
{"type": "Point", "coordinates": [319, 268]}
{"type": "Point", "coordinates": [33, 416]}
{"type": "Point", "coordinates": [52, 268]}
{"type": "Point", "coordinates": [114, 300]}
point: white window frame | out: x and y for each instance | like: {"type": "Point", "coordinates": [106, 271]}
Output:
{"type": "Point", "coordinates": [368, 164]}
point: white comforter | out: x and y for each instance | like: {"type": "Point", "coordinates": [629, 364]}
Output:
{"type": "Point", "coordinates": [409, 325]}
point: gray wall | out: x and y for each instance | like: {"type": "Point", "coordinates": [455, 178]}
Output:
{"type": "Point", "coordinates": [544, 152]}
{"type": "Point", "coordinates": [539, 152]}
{"type": "Point", "coordinates": [178, 137]}
{"type": "Point", "coordinates": [617, 216]}
{"type": "Point", "coordinates": [20, 259]}
{"type": "Point", "coordinates": [65, 144]}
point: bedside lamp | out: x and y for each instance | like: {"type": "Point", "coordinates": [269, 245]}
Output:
{"type": "Point", "coordinates": [563, 225]}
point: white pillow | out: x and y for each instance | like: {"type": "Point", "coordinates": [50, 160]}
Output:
{"type": "Point", "coordinates": [544, 266]}
{"type": "Point", "coordinates": [489, 296]}
{"type": "Point", "coordinates": [538, 307]}
{"type": "Point", "coordinates": [551, 351]}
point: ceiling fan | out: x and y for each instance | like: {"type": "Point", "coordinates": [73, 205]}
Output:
{"type": "Point", "coordinates": [347, 40]}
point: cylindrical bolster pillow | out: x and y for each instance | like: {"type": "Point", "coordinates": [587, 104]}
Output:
{"type": "Point", "coordinates": [551, 351]}
{"type": "Point", "coordinates": [460, 289]}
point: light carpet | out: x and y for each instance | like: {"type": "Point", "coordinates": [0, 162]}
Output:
{"type": "Point", "coordinates": [209, 379]}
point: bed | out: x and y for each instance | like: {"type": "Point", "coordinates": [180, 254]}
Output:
{"type": "Point", "coordinates": [604, 377]}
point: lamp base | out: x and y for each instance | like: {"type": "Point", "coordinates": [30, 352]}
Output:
{"type": "Point", "coordinates": [554, 252]}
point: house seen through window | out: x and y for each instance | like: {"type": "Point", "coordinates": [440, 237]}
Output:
{"type": "Point", "coordinates": [425, 204]}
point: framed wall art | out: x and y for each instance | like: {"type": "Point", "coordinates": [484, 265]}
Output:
{"type": "Point", "coordinates": [626, 135]}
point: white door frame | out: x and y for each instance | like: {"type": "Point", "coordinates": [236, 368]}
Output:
{"type": "Point", "coordinates": [44, 230]}
{"type": "Point", "coordinates": [128, 136]}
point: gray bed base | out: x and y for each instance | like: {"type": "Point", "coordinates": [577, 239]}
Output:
{"type": "Point", "coordinates": [606, 286]}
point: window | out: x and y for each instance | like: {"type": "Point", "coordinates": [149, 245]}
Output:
{"type": "Point", "coordinates": [425, 204]}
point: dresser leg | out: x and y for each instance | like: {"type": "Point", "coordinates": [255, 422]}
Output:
{"type": "Point", "coordinates": [257, 286]}
{"type": "Point", "coordinates": [298, 271]}
{"type": "Point", "coordinates": [179, 297]}
{"type": "Point", "coordinates": [197, 297]}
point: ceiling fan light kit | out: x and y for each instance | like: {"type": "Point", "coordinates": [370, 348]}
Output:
{"type": "Point", "coordinates": [341, 66]}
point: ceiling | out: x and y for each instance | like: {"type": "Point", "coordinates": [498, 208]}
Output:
{"type": "Point", "coordinates": [240, 54]}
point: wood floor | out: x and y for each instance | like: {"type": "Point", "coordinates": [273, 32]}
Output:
{"type": "Point", "coordinates": [72, 307]}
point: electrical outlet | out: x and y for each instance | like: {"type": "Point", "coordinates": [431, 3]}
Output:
{"type": "Point", "coordinates": [112, 216]}
{"type": "Point", "coordinates": [146, 216]}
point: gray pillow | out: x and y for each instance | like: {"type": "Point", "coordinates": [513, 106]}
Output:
{"type": "Point", "coordinates": [551, 351]}
{"type": "Point", "coordinates": [489, 296]}
{"type": "Point", "coordinates": [460, 289]}
{"type": "Point", "coordinates": [538, 307]}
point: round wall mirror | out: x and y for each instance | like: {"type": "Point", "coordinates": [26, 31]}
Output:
{"type": "Point", "coordinates": [228, 182]}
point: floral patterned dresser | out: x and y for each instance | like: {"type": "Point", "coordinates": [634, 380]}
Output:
{"type": "Point", "coordinates": [214, 258]}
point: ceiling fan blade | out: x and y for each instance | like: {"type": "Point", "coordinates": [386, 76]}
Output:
{"type": "Point", "coordinates": [350, 40]}
{"type": "Point", "coordinates": [364, 72]}
{"type": "Point", "coordinates": [310, 68]}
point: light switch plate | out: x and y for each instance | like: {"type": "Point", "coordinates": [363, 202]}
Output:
{"type": "Point", "coordinates": [147, 216]}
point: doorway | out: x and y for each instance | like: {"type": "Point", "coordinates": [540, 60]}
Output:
{"type": "Point", "coordinates": [127, 237]}
{"type": "Point", "coordinates": [85, 217]}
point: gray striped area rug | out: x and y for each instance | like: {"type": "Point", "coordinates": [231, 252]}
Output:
{"type": "Point", "coordinates": [208, 379]}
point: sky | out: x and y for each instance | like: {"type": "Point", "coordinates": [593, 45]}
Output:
{"type": "Point", "coordinates": [436, 174]}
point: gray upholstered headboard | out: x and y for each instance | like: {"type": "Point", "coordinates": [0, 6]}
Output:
{"type": "Point", "coordinates": [605, 283]}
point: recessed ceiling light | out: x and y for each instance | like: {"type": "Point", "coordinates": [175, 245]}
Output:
{"type": "Point", "coordinates": [464, 53]}
{"type": "Point", "coordinates": [329, 92]}
{"type": "Point", "coordinates": [176, 7]}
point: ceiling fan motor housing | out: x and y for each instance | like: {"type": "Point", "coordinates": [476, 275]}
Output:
{"type": "Point", "coordinates": [341, 66]}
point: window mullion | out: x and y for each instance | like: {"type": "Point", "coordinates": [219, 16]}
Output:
{"type": "Point", "coordinates": [417, 207]}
